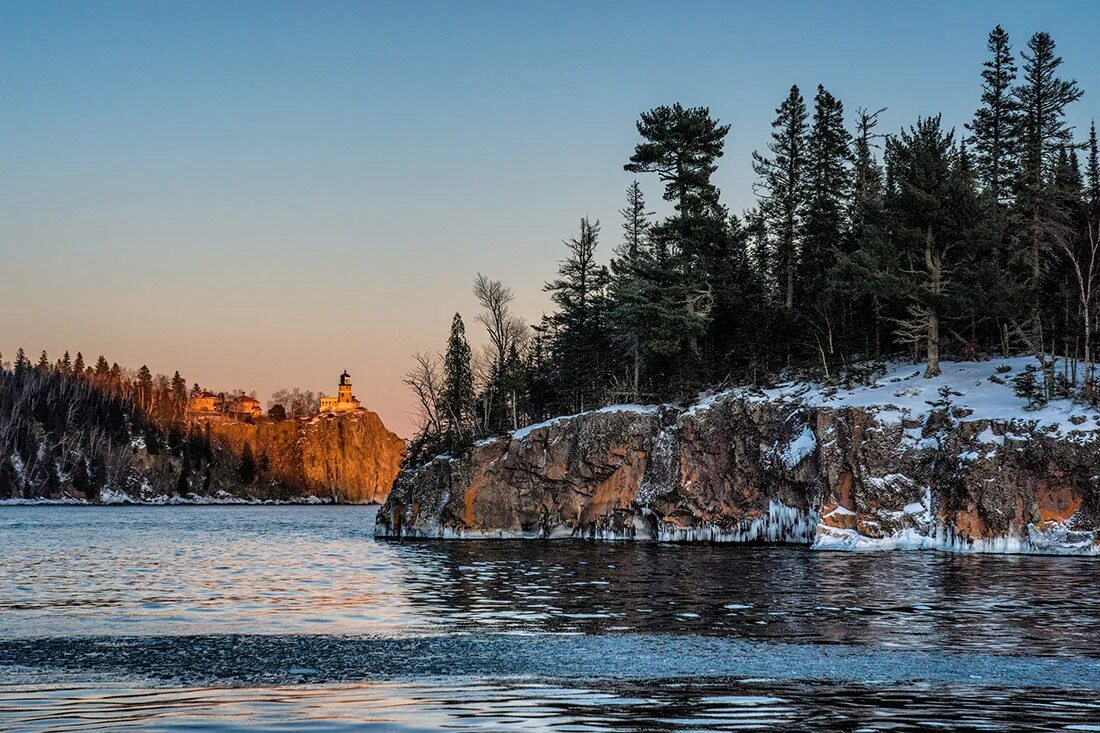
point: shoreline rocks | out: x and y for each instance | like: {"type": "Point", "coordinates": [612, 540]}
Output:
{"type": "Point", "coordinates": [834, 471]}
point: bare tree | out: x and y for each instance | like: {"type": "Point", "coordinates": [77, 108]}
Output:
{"type": "Point", "coordinates": [425, 379]}
{"type": "Point", "coordinates": [296, 402]}
{"type": "Point", "coordinates": [1082, 257]}
{"type": "Point", "coordinates": [504, 328]}
{"type": "Point", "coordinates": [506, 331]}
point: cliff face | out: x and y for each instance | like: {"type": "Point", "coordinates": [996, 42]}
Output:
{"type": "Point", "coordinates": [69, 439]}
{"type": "Point", "coordinates": [350, 456]}
{"type": "Point", "coordinates": [954, 463]}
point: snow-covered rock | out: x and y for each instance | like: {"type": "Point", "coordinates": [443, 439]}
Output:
{"type": "Point", "coordinates": [954, 463]}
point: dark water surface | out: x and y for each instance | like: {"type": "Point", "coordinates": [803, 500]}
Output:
{"type": "Point", "coordinates": [295, 618]}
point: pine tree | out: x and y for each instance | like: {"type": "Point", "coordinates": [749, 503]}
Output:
{"type": "Point", "coordinates": [102, 372]}
{"type": "Point", "coordinates": [996, 125]}
{"type": "Point", "coordinates": [1092, 174]}
{"type": "Point", "coordinates": [579, 325]}
{"type": "Point", "coordinates": [783, 188]}
{"type": "Point", "coordinates": [625, 275]}
{"type": "Point", "coordinates": [828, 183]}
{"type": "Point", "coordinates": [635, 223]}
{"type": "Point", "coordinates": [43, 365]}
{"type": "Point", "coordinates": [867, 251]}
{"type": "Point", "coordinates": [458, 387]}
{"type": "Point", "coordinates": [930, 206]}
{"type": "Point", "coordinates": [246, 471]}
{"type": "Point", "coordinates": [828, 190]}
{"type": "Point", "coordinates": [738, 333]}
{"type": "Point", "coordinates": [144, 385]}
{"type": "Point", "coordinates": [22, 364]}
{"type": "Point", "coordinates": [682, 146]}
{"type": "Point", "coordinates": [78, 366]}
{"type": "Point", "coordinates": [178, 397]}
{"type": "Point", "coordinates": [1043, 96]}
{"type": "Point", "coordinates": [65, 366]}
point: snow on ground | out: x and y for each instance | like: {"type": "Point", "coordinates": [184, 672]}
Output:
{"type": "Point", "coordinates": [902, 392]}
{"type": "Point", "coordinates": [525, 431]}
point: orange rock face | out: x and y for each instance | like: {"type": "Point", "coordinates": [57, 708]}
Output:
{"type": "Point", "coordinates": [749, 469]}
{"type": "Point", "coordinates": [350, 455]}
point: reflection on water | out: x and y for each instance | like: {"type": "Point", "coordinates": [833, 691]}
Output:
{"type": "Point", "coordinates": [72, 579]}
{"type": "Point", "coordinates": [714, 705]}
{"type": "Point", "coordinates": [278, 570]}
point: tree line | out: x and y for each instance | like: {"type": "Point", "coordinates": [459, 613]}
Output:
{"type": "Point", "coordinates": [863, 245]}
{"type": "Point", "coordinates": [69, 424]}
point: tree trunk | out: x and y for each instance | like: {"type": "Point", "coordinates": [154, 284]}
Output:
{"type": "Point", "coordinates": [789, 301]}
{"type": "Point", "coordinates": [637, 370]}
{"type": "Point", "coordinates": [933, 368]}
{"type": "Point", "coordinates": [935, 270]}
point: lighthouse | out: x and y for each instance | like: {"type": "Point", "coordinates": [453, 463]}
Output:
{"type": "Point", "coordinates": [344, 400]}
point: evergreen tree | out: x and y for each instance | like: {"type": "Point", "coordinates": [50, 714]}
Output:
{"type": "Point", "coordinates": [681, 145]}
{"type": "Point", "coordinates": [579, 325]}
{"type": "Point", "coordinates": [102, 372]}
{"type": "Point", "coordinates": [78, 366]}
{"type": "Point", "coordinates": [828, 189]}
{"type": "Point", "coordinates": [458, 387]}
{"type": "Point", "coordinates": [625, 278]}
{"type": "Point", "coordinates": [514, 383]}
{"type": "Point", "coordinates": [930, 206]}
{"type": "Point", "coordinates": [867, 183]}
{"type": "Point", "coordinates": [178, 397]}
{"type": "Point", "coordinates": [22, 364]}
{"type": "Point", "coordinates": [857, 270]}
{"type": "Point", "coordinates": [1092, 173]}
{"type": "Point", "coordinates": [738, 333]}
{"type": "Point", "coordinates": [1043, 97]}
{"type": "Point", "coordinates": [996, 125]}
{"type": "Point", "coordinates": [65, 366]}
{"type": "Point", "coordinates": [43, 365]}
{"type": "Point", "coordinates": [828, 183]}
{"type": "Point", "coordinates": [246, 471]}
{"type": "Point", "coordinates": [783, 188]}
{"type": "Point", "coordinates": [635, 223]}
{"type": "Point", "coordinates": [144, 385]}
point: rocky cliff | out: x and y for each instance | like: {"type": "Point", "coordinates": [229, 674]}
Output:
{"type": "Point", "coordinates": [953, 463]}
{"type": "Point", "coordinates": [348, 456]}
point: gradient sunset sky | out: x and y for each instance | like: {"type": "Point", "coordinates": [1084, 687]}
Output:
{"type": "Point", "coordinates": [263, 194]}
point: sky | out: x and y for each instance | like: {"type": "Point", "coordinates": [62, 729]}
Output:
{"type": "Point", "coordinates": [263, 194]}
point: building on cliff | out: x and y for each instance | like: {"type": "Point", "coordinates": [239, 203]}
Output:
{"type": "Point", "coordinates": [344, 401]}
{"type": "Point", "coordinates": [204, 402]}
{"type": "Point", "coordinates": [243, 405]}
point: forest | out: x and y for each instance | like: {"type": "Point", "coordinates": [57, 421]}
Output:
{"type": "Point", "coordinates": [92, 427]}
{"type": "Point", "coordinates": [924, 243]}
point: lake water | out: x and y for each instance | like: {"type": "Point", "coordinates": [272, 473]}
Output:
{"type": "Point", "coordinates": [296, 619]}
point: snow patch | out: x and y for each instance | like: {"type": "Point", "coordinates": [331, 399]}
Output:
{"type": "Point", "coordinates": [902, 393]}
{"type": "Point", "coordinates": [639, 409]}
{"type": "Point", "coordinates": [799, 449]}
{"type": "Point", "coordinates": [1050, 540]}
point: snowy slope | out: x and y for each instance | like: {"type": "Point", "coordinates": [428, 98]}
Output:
{"type": "Point", "coordinates": [902, 393]}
